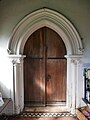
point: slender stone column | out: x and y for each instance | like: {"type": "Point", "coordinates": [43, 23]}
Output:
{"type": "Point", "coordinates": [73, 85]}
{"type": "Point", "coordinates": [73, 79]}
{"type": "Point", "coordinates": [21, 86]}
{"type": "Point", "coordinates": [17, 61]}
{"type": "Point", "coordinates": [68, 92]}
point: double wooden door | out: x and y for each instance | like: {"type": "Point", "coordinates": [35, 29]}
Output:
{"type": "Point", "coordinates": [44, 69]}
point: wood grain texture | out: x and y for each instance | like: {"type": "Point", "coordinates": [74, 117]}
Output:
{"type": "Point", "coordinates": [45, 68]}
{"type": "Point", "coordinates": [80, 116]}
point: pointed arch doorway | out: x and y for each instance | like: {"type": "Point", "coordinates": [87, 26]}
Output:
{"type": "Point", "coordinates": [45, 69]}
{"type": "Point", "coordinates": [64, 28]}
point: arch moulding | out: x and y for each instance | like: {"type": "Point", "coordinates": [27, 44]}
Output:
{"type": "Point", "coordinates": [69, 35]}
{"type": "Point", "coordinates": [51, 19]}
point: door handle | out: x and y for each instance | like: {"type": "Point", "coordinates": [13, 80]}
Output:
{"type": "Point", "coordinates": [48, 77]}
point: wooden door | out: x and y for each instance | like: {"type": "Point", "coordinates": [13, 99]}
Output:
{"type": "Point", "coordinates": [56, 69]}
{"type": "Point", "coordinates": [44, 69]}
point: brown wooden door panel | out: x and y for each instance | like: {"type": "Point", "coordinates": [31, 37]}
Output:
{"type": "Point", "coordinates": [55, 46]}
{"type": "Point", "coordinates": [34, 46]}
{"type": "Point", "coordinates": [35, 82]}
{"type": "Point", "coordinates": [56, 80]}
{"type": "Point", "coordinates": [44, 68]}
{"type": "Point", "coordinates": [34, 79]}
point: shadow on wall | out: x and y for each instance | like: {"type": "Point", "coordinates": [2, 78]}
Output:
{"type": "Point", "coordinates": [5, 74]}
{"type": "Point", "coordinates": [6, 92]}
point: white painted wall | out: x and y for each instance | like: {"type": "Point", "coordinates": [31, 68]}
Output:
{"type": "Point", "coordinates": [12, 11]}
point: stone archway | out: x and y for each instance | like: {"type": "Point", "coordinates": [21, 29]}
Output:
{"type": "Point", "coordinates": [69, 35]}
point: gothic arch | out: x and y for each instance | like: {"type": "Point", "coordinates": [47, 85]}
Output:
{"type": "Point", "coordinates": [51, 19]}
{"type": "Point", "coordinates": [71, 39]}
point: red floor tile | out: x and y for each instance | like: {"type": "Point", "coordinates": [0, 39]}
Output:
{"type": "Point", "coordinates": [22, 119]}
{"type": "Point", "coordinates": [47, 119]}
{"type": "Point", "coordinates": [64, 118]}
{"type": "Point", "coordinates": [67, 118]}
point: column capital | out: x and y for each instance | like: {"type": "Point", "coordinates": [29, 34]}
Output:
{"type": "Point", "coordinates": [75, 58]}
{"type": "Point", "coordinates": [16, 58]}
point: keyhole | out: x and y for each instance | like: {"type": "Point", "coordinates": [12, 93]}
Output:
{"type": "Point", "coordinates": [48, 77]}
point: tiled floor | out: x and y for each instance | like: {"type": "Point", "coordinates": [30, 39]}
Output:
{"type": "Point", "coordinates": [46, 115]}
{"type": "Point", "coordinates": [19, 117]}
{"type": "Point", "coordinates": [41, 116]}
{"type": "Point", "coordinates": [63, 118]}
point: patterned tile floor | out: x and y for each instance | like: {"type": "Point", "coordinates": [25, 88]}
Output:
{"type": "Point", "coordinates": [41, 116]}
{"type": "Point", "coordinates": [50, 118]}
{"type": "Point", "coordinates": [45, 115]}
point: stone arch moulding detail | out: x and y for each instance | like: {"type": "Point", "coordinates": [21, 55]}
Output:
{"type": "Point", "coordinates": [71, 39]}
{"type": "Point", "coordinates": [51, 19]}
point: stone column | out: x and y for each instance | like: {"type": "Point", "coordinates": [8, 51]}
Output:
{"type": "Point", "coordinates": [73, 79]}
{"type": "Point", "coordinates": [73, 85]}
{"type": "Point", "coordinates": [17, 61]}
